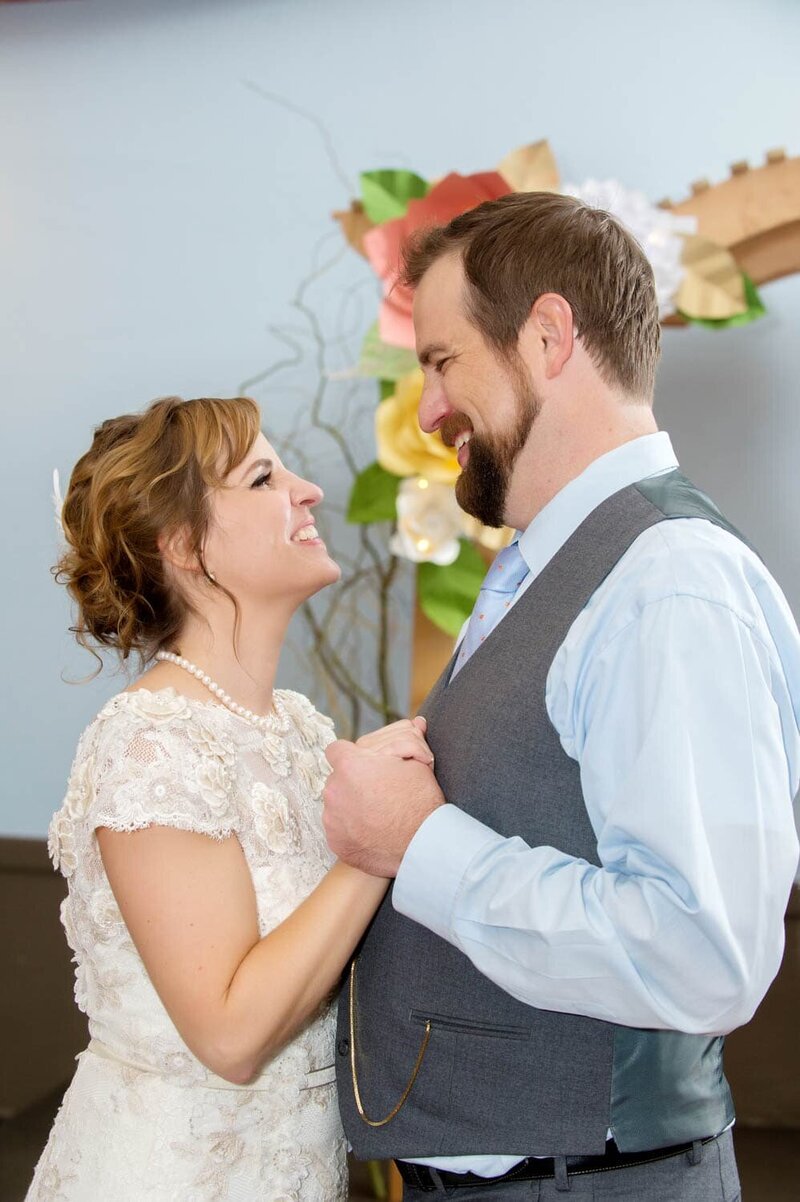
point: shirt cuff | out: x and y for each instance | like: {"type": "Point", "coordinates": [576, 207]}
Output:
{"type": "Point", "coordinates": [431, 871]}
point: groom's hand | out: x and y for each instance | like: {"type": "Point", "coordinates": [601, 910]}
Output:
{"type": "Point", "coordinates": [374, 805]}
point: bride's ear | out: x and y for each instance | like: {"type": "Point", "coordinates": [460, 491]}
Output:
{"type": "Point", "coordinates": [177, 551]}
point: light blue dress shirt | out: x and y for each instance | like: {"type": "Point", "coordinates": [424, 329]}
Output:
{"type": "Point", "coordinates": [677, 691]}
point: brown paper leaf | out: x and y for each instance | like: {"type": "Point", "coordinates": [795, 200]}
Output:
{"type": "Point", "coordinates": [531, 168]}
{"type": "Point", "coordinates": [713, 286]}
{"type": "Point", "coordinates": [354, 224]}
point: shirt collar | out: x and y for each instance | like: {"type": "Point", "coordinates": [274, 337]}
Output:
{"type": "Point", "coordinates": [561, 517]}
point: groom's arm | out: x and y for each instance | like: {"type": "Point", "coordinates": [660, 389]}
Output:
{"type": "Point", "coordinates": [689, 756]}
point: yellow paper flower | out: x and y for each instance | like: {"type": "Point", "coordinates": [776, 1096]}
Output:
{"type": "Point", "coordinates": [403, 448]}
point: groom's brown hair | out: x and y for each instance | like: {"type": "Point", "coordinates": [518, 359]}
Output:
{"type": "Point", "coordinates": [518, 247]}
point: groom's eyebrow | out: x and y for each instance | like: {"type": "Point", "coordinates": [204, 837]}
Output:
{"type": "Point", "coordinates": [428, 352]}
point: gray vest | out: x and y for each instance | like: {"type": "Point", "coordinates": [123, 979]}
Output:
{"type": "Point", "coordinates": [499, 1076]}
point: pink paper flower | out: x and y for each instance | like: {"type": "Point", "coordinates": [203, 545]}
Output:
{"type": "Point", "coordinates": [453, 195]}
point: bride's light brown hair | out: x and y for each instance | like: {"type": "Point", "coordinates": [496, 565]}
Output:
{"type": "Point", "coordinates": [146, 475]}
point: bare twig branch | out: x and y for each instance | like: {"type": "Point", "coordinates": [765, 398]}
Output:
{"type": "Point", "coordinates": [356, 615]}
{"type": "Point", "coordinates": [327, 140]}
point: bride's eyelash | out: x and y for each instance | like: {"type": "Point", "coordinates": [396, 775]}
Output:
{"type": "Point", "coordinates": [260, 480]}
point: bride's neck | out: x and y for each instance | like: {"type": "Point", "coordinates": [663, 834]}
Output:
{"type": "Point", "coordinates": [246, 673]}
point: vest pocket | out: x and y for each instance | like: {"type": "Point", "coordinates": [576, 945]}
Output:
{"type": "Point", "coordinates": [467, 1026]}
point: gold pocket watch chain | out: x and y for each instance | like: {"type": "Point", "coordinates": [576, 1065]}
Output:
{"type": "Point", "coordinates": [356, 1091]}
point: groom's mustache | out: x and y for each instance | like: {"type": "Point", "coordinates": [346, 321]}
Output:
{"type": "Point", "coordinates": [452, 426]}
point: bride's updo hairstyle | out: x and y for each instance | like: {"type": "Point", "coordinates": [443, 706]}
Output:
{"type": "Point", "coordinates": [146, 475]}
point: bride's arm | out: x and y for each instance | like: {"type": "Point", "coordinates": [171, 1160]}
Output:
{"type": "Point", "coordinates": [189, 904]}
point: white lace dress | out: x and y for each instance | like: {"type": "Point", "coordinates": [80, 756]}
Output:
{"type": "Point", "coordinates": [144, 1120]}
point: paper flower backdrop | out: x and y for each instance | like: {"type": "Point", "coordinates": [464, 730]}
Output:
{"type": "Point", "coordinates": [453, 195]}
{"type": "Point", "coordinates": [403, 447]}
{"type": "Point", "coordinates": [411, 482]}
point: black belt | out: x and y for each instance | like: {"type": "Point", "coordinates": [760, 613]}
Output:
{"type": "Point", "coordinates": [535, 1167]}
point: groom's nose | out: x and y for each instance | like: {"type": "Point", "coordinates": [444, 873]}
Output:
{"type": "Point", "coordinates": [433, 405]}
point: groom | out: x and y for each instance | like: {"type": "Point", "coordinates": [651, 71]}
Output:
{"type": "Point", "coordinates": [590, 890]}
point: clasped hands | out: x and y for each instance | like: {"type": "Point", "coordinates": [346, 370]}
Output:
{"type": "Point", "coordinates": [381, 790]}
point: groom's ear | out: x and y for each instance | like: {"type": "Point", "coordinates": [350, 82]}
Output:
{"type": "Point", "coordinates": [549, 334]}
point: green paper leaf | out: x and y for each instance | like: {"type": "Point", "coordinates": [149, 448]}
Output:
{"type": "Point", "coordinates": [755, 309]}
{"type": "Point", "coordinates": [384, 361]}
{"type": "Point", "coordinates": [447, 594]}
{"type": "Point", "coordinates": [374, 496]}
{"type": "Point", "coordinates": [388, 388]}
{"type": "Point", "coordinates": [385, 194]}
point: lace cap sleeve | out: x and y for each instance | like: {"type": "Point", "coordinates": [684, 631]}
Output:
{"type": "Point", "coordinates": [157, 762]}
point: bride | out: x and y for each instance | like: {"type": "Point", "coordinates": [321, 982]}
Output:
{"type": "Point", "coordinates": [209, 922]}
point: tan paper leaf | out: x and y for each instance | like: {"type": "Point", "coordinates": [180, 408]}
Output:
{"type": "Point", "coordinates": [713, 286]}
{"type": "Point", "coordinates": [486, 536]}
{"type": "Point", "coordinates": [531, 168]}
{"type": "Point", "coordinates": [355, 224]}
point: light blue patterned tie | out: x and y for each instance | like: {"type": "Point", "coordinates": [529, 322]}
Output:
{"type": "Point", "coordinates": [502, 581]}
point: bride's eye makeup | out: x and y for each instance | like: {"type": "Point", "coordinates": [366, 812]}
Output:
{"type": "Point", "coordinates": [264, 467]}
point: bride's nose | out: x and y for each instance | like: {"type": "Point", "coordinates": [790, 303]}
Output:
{"type": "Point", "coordinates": [304, 492]}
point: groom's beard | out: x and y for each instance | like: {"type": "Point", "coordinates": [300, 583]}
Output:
{"type": "Point", "coordinates": [482, 487]}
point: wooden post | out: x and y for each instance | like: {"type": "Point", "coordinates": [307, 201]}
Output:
{"type": "Point", "coordinates": [395, 1184]}
{"type": "Point", "coordinates": [431, 651]}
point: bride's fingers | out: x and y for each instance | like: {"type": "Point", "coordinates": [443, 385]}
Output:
{"type": "Point", "coordinates": [404, 739]}
{"type": "Point", "coordinates": [382, 738]}
{"type": "Point", "coordinates": [406, 747]}
{"type": "Point", "coordinates": [404, 726]}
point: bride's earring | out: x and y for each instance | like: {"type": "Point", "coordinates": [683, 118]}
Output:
{"type": "Point", "coordinates": [211, 576]}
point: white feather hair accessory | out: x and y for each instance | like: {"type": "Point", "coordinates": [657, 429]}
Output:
{"type": "Point", "coordinates": [58, 504]}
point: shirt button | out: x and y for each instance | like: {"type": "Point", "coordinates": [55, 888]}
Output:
{"type": "Point", "coordinates": [343, 1047]}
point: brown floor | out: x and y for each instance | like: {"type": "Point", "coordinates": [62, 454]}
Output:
{"type": "Point", "coordinates": [769, 1161]}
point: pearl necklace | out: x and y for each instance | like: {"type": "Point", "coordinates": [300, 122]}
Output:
{"type": "Point", "coordinates": [262, 721]}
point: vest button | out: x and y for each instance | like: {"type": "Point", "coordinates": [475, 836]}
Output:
{"type": "Point", "coordinates": [343, 1047]}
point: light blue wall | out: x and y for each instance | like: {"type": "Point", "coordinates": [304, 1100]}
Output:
{"type": "Point", "coordinates": [156, 217]}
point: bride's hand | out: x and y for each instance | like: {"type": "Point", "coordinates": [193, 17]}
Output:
{"type": "Point", "coordinates": [404, 739]}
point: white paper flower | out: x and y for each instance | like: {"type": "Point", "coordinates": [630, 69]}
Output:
{"type": "Point", "coordinates": [658, 231]}
{"type": "Point", "coordinates": [428, 522]}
